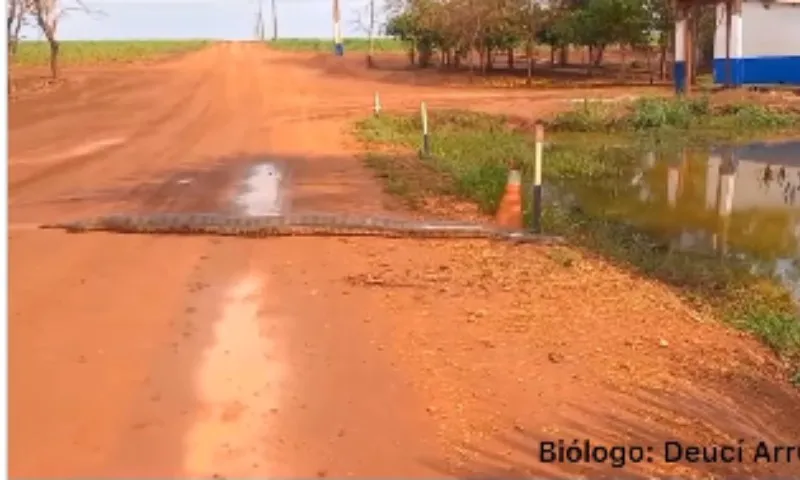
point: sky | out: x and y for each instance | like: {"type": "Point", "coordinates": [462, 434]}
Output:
{"type": "Point", "coordinates": [214, 19]}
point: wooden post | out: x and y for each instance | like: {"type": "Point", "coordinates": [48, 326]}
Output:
{"type": "Point", "coordinates": [537, 180]}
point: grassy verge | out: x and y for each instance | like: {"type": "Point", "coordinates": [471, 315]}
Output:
{"type": "Point", "coordinates": [94, 52]}
{"type": "Point", "coordinates": [471, 156]}
{"type": "Point", "coordinates": [696, 119]}
{"type": "Point", "coordinates": [326, 45]}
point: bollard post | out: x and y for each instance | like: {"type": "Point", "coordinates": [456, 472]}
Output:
{"type": "Point", "coordinates": [537, 179]}
{"type": "Point", "coordinates": [377, 106]}
{"type": "Point", "coordinates": [426, 141]}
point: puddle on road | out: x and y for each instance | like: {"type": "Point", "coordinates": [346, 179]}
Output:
{"type": "Point", "coordinates": [237, 384]}
{"type": "Point", "coordinates": [262, 190]}
{"type": "Point", "coordinates": [734, 202]}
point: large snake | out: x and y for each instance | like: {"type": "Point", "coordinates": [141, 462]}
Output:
{"type": "Point", "coordinates": [294, 225]}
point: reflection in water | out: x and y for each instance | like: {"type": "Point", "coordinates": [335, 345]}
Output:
{"type": "Point", "coordinates": [752, 192]}
{"type": "Point", "coordinates": [712, 181]}
{"type": "Point", "coordinates": [735, 202]}
{"type": "Point", "coordinates": [673, 184]}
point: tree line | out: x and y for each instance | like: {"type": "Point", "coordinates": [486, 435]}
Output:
{"type": "Point", "coordinates": [474, 31]}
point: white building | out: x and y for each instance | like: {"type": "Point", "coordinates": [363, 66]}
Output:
{"type": "Point", "coordinates": [763, 44]}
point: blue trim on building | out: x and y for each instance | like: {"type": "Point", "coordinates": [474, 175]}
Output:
{"type": "Point", "coordinates": [679, 76]}
{"type": "Point", "coordinates": [721, 71]}
{"type": "Point", "coordinates": [759, 70]}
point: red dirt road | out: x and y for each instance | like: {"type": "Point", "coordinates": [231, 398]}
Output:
{"type": "Point", "coordinates": [155, 356]}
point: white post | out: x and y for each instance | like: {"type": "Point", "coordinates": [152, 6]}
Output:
{"type": "Point", "coordinates": [539, 149]}
{"type": "Point", "coordinates": [423, 111]}
{"type": "Point", "coordinates": [426, 141]}
{"type": "Point", "coordinates": [337, 29]}
{"type": "Point", "coordinates": [537, 179]}
{"type": "Point", "coordinates": [377, 105]}
{"type": "Point", "coordinates": [680, 74]}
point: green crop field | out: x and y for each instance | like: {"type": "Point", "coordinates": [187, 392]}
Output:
{"type": "Point", "coordinates": [382, 44]}
{"type": "Point", "coordinates": [91, 52]}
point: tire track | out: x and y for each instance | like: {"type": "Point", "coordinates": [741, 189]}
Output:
{"type": "Point", "coordinates": [153, 137]}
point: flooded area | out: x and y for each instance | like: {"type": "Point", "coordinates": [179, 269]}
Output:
{"type": "Point", "coordinates": [735, 202]}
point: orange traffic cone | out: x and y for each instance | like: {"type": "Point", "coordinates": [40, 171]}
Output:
{"type": "Point", "coordinates": [509, 214]}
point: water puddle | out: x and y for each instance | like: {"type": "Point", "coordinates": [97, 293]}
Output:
{"type": "Point", "coordinates": [261, 192]}
{"type": "Point", "coordinates": [237, 386]}
{"type": "Point", "coordinates": [739, 202]}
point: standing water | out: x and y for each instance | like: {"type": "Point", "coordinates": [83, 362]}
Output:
{"type": "Point", "coordinates": [739, 202]}
{"type": "Point", "coordinates": [262, 191]}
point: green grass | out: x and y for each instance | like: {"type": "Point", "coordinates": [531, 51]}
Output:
{"type": "Point", "coordinates": [481, 177]}
{"type": "Point", "coordinates": [360, 45]}
{"type": "Point", "coordinates": [694, 119]}
{"type": "Point", "coordinates": [471, 155]}
{"type": "Point", "coordinates": [33, 53]}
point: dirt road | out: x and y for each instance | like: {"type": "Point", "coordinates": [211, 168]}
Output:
{"type": "Point", "coordinates": [154, 356]}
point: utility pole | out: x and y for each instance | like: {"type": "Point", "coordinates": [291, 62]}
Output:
{"type": "Point", "coordinates": [259, 30]}
{"type": "Point", "coordinates": [274, 21]}
{"type": "Point", "coordinates": [370, 60]}
{"type": "Point", "coordinates": [337, 30]}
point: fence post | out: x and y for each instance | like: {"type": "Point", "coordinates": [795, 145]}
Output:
{"type": "Point", "coordinates": [426, 141]}
{"type": "Point", "coordinates": [537, 179]}
{"type": "Point", "coordinates": [377, 104]}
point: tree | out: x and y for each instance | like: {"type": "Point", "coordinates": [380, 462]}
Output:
{"type": "Point", "coordinates": [556, 31]}
{"type": "Point", "coordinates": [47, 14]}
{"type": "Point", "coordinates": [369, 28]}
{"type": "Point", "coordinates": [461, 28]}
{"type": "Point", "coordinates": [419, 27]}
{"type": "Point", "coordinates": [531, 17]}
{"type": "Point", "coordinates": [17, 12]}
{"type": "Point", "coordinates": [662, 24]}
